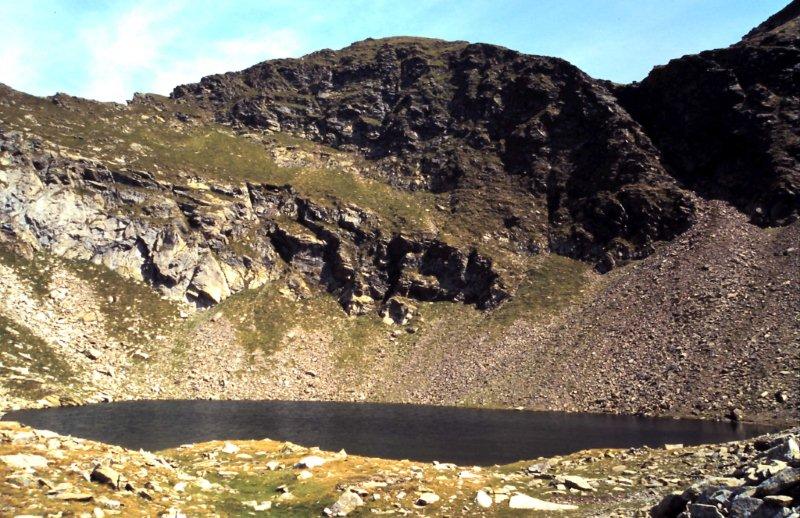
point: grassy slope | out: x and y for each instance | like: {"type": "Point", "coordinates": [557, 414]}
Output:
{"type": "Point", "coordinates": [147, 138]}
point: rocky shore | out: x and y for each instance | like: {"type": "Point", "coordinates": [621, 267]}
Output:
{"type": "Point", "coordinates": [45, 474]}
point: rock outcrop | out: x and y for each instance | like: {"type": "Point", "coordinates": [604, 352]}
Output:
{"type": "Point", "coordinates": [202, 243]}
{"type": "Point", "coordinates": [726, 121]}
{"type": "Point", "coordinates": [533, 141]}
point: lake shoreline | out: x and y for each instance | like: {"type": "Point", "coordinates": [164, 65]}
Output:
{"type": "Point", "coordinates": [237, 477]}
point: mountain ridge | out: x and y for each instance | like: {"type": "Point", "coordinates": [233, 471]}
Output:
{"type": "Point", "coordinates": [430, 221]}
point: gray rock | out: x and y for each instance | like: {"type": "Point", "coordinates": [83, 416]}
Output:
{"type": "Point", "coordinates": [704, 511]}
{"type": "Point", "coordinates": [781, 500]}
{"type": "Point", "coordinates": [744, 506]}
{"type": "Point", "coordinates": [788, 450]}
{"type": "Point", "coordinates": [346, 504]}
{"type": "Point", "coordinates": [780, 483]}
{"type": "Point", "coordinates": [670, 506]}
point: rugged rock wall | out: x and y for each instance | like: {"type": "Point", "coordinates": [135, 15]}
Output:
{"type": "Point", "coordinates": [726, 121]}
{"type": "Point", "coordinates": [530, 137]}
{"type": "Point", "coordinates": [203, 242]}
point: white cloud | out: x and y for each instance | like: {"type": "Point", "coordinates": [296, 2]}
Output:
{"type": "Point", "coordinates": [17, 69]}
{"type": "Point", "coordinates": [226, 56]}
{"type": "Point", "coordinates": [137, 51]}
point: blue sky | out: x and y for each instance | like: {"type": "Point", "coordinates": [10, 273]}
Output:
{"type": "Point", "coordinates": [108, 50]}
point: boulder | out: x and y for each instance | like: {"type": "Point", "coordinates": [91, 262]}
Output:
{"type": "Point", "coordinates": [346, 504]}
{"type": "Point", "coordinates": [210, 281]}
{"type": "Point", "coordinates": [787, 450]}
{"type": "Point", "coordinates": [704, 511]}
{"type": "Point", "coordinates": [670, 506]}
{"type": "Point", "coordinates": [310, 462]}
{"type": "Point", "coordinates": [787, 479]}
{"type": "Point", "coordinates": [576, 482]}
{"type": "Point", "coordinates": [483, 499]}
{"type": "Point", "coordinates": [106, 475]}
{"type": "Point", "coordinates": [398, 310]}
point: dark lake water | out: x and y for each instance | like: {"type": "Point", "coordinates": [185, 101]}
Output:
{"type": "Point", "coordinates": [424, 433]}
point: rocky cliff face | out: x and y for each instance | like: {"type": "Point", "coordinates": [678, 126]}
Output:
{"type": "Point", "coordinates": [570, 165]}
{"type": "Point", "coordinates": [726, 121]}
{"type": "Point", "coordinates": [530, 138]}
{"type": "Point", "coordinates": [202, 243]}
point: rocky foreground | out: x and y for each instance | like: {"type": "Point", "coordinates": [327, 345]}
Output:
{"type": "Point", "coordinates": [45, 474]}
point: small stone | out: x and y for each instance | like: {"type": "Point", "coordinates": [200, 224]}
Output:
{"type": "Point", "coordinates": [229, 447]}
{"type": "Point", "coordinates": [108, 503]}
{"type": "Point", "coordinates": [92, 353]}
{"type": "Point", "coordinates": [310, 462]}
{"type": "Point", "coordinates": [106, 475]}
{"type": "Point", "coordinates": [427, 498]}
{"type": "Point", "coordinates": [346, 504]}
{"type": "Point", "coordinates": [304, 475]}
{"type": "Point", "coordinates": [483, 499]}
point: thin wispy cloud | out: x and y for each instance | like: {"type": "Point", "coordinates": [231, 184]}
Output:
{"type": "Point", "coordinates": [228, 55]}
{"type": "Point", "coordinates": [137, 49]}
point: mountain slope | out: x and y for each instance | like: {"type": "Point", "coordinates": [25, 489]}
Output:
{"type": "Point", "coordinates": [526, 146]}
{"type": "Point", "coordinates": [417, 220]}
{"type": "Point", "coordinates": [726, 121]}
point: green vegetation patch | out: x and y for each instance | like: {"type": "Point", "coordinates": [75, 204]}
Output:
{"type": "Point", "coordinates": [263, 317]}
{"type": "Point", "coordinates": [29, 366]}
{"type": "Point", "coordinates": [310, 496]}
{"type": "Point", "coordinates": [550, 285]}
{"type": "Point", "coordinates": [37, 269]}
{"type": "Point", "coordinates": [134, 313]}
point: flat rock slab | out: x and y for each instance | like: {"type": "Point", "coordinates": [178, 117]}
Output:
{"type": "Point", "coordinates": [520, 501]}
